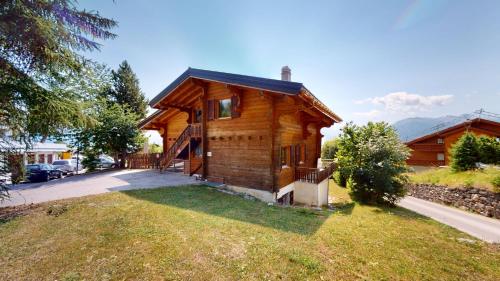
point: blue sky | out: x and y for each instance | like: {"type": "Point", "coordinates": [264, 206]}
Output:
{"type": "Point", "coordinates": [366, 60]}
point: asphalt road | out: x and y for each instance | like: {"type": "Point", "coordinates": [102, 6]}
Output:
{"type": "Point", "coordinates": [484, 228]}
{"type": "Point", "coordinates": [83, 185]}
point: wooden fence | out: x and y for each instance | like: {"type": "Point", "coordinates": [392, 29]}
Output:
{"type": "Point", "coordinates": [144, 160]}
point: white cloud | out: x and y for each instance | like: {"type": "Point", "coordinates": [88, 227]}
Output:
{"type": "Point", "coordinates": [368, 114]}
{"type": "Point", "coordinates": [403, 101]}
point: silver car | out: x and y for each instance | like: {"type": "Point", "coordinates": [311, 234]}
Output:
{"type": "Point", "coordinates": [68, 166]}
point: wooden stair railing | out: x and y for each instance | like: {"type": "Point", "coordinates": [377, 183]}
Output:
{"type": "Point", "coordinates": [176, 148]}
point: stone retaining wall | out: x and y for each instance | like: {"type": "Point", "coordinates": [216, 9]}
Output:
{"type": "Point", "coordinates": [476, 200]}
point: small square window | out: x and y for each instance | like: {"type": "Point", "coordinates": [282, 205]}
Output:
{"type": "Point", "coordinates": [440, 156]}
{"type": "Point", "coordinates": [440, 141]}
{"type": "Point", "coordinates": [225, 108]}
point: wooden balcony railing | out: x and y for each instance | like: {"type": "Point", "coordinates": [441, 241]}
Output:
{"type": "Point", "coordinates": [419, 162]}
{"type": "Point", "coordinates": [313, 175]}
{"type": "Point", "coordinates": [428, 147]}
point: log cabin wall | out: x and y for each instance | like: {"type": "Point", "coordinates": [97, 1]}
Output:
{"type": "Point", "coordinates": [425, 152]}
{"type": "Point", "coordinates": [175, 126]}
{"type": "Point", "coordinates": [240, 147]}
{"type": "Point", "coordinates": [290, 136]}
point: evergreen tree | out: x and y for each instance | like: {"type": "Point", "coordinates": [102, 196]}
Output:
{"type": "Point", "coordinates": [39, 45]}
{"type": "Point", "coordinates": [126, 90]}
{"type": "Point", "coordinates": [465, 153]}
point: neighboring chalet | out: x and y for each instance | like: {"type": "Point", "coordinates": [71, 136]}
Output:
{"type": "Point", "coordinates": [434, 149]}
{"type": "Point", "coordinates": [256, 135]}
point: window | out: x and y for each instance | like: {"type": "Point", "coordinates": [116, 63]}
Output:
{"type": "Point", "coordinates": [440, 156]}
{"type": "Point", "coordinates": [440, 141]}
{"type": "Point", "coordinates": [224, 108]}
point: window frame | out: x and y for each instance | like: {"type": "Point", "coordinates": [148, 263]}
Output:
{"type": "Point", "coordinates": [440, 154]}
{"type": "Point", "coordinates": [440, 141]}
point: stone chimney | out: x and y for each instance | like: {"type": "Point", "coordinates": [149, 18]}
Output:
{"type": "Point", "coordinates": [286, 73]}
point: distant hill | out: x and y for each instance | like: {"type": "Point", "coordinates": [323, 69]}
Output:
{"type": "Point", "coordinates": [411, 128]}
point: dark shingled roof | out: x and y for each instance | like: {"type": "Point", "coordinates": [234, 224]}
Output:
{"type": "Point", "coordinates": [285, 87]}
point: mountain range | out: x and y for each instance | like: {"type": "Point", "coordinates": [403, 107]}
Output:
{"type": "Point", "coordinates": [411, 128]}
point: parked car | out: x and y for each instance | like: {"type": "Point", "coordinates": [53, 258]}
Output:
{"type": "Point", "coordinates": [105, 163]}
{"type": "Point", "coordinates": [42, 172]}
{"type": "Point", "coordinates": [68, 166]}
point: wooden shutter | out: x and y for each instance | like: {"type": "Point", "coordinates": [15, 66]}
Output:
{"type": "Point", "coordinates": [292, 155]}
{"type": "Point", "coordinates": [235, 106]}
{"type": "Point", "coordinates": [297, 154]}
{"type": "Point", "coordinates": [216, 109]}
{"type": "Point", "coordinates": [211, 110]}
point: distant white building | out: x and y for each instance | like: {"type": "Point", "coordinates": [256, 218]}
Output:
{"type": "Point", "coordinates": [42, 153]}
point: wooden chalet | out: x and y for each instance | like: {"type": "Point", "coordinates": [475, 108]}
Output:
{"type": "Point", "coordinates": [434, 149]}
{"type": "Point", "coordinates": [256, 135]}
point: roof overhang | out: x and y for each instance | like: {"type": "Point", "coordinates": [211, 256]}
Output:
{"type": "Point", "coordinates": [242, 81]}
{"type": "Point", "coordinates": [453, 129]}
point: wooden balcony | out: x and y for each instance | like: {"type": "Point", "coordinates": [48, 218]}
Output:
{"type": "Point", "coordinates": [434, 147]}
{"type": "Point", "coordinates": [313, 175]}
{"type": "Point", "coordinates": [416, 162]}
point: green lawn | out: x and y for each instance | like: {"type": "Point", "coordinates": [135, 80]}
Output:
{"type": "Point", "coordinates": [444, 176]}
{"type": "Point", "coordinates": [198, 233]}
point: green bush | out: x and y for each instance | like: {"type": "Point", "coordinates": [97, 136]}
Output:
{"type": "Point", "coordinates": [489, 150]}
{"type": "Point", "coordinates": [89, 162]}
{"type": "Point", "coordinates": [465, 153]}
{"type": "Point", "coordinates": [496, 184]}
{"type": "Point", "coordinates": [340, 178]}
{"type": "Point", "coordinates": [329, 149]}
{"type": "Point", "coordinates": [373, 159]}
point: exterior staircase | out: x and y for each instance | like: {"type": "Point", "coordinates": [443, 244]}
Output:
{"type": "Point", "coordinates": [179, 145]}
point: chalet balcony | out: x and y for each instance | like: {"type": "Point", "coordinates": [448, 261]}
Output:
{"type": "Point", "coordinates": [432, 147]}
{"type": "Point", "coordinates": [423, 162]}
{"type": "Point", "coordinates": [311, 185]}
{"type": "Point", "coordinates": [314, 175]}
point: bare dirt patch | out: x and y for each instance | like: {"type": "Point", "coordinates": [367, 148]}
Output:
{"type": "Point", "coordinates": [9, 213]}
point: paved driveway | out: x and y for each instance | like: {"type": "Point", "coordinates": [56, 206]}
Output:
{"type": "Point", "coordinates": [93, 184]}
{"type": "Point", "coordinates": [484, 228]}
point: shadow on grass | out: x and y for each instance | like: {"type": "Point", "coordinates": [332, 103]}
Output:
{"type": "Point", "coordinates": [344, 208]}
{"type": "Point", "coordinates": [208, 200]}
{"type": "Point", "coordinates": [400, 212]}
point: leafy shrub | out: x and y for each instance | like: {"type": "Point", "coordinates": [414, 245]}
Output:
{"type": "Point", "coordinates": [465, 153]}
{"type": "Point", "coordinates": [373, 159]}
{"type": "Point", "coordinates": [339, 178]}
{"type": "Point", "coordinates": [329, 149]}
{"type": "Point", "coordinates": [489, 150]}
{"type": "Point", "coordinates": [496, 184]}
{"type": "Point", "coordinates": [89, 162]}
